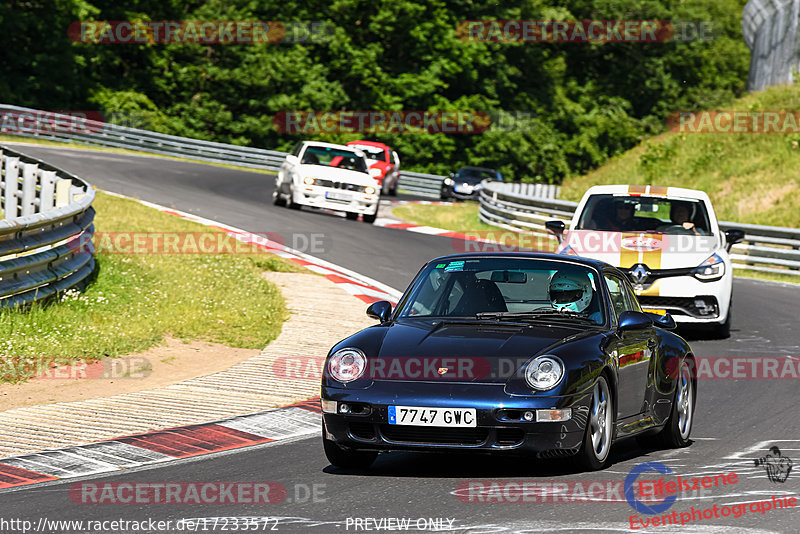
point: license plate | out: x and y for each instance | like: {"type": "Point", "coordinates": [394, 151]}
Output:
{"type": "Point", "coordinates": [420, 416]}
{"type": "Point", "coordinates": [655, 310]}
{"type": "Point", "coordinates": [463, 189]}
{"type": "Point", "coordinates": [334, 195]}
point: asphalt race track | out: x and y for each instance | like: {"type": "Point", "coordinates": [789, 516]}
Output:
{"type": "Point", "coordinates": [736, 420]}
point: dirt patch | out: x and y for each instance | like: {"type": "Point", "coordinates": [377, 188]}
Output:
{"type": "Point", "coordinates": [169, 363]}
{"type": "Point", "coordinates": [763, 198]}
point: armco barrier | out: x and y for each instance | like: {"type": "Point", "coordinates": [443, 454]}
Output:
{"type": "Point", "coordinates": [28, 122]}
{"type": "Point", "coordinates": [770, 249]}
{"type": "Point", "coordinates": [44, 208]}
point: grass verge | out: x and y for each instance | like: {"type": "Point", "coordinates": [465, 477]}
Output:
{"type": "Point", "coordinates": [751, 178]}
{"type": "Point", "coordinates": [47, 142]}
{"type": "Point", "coordinates": [136, 301]}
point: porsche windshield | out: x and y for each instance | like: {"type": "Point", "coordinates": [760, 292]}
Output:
{"type": "Point", "coordinates": [506, 288]}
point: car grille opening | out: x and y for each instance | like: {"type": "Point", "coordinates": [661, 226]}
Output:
{"type": "Point", "coordinates": [365, 431]}
{"type": "Point", "coordinates": [709, 307]}
{"type": "Point", "coordinates": [436, 436]}
{"type": "Point", "coordinates": [339, 185]}
{"type": "Point", "coordinates": [509, 436]}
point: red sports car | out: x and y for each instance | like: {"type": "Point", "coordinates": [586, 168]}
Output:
{"type": "Point", "coordinates": [383, 158]}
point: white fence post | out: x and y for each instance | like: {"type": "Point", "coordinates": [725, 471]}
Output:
{"type": "Point", "coordinates": [10, 208]}
{"type": "Point", "coordinates": [47, 179]}
{"type": "Point", "coordinates": [29, 176]}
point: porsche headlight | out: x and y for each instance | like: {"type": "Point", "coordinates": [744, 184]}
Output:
{"type": "Point", "coordinates": [711, 269]}
{"type": "Point", "coordinates": [308, 180]}
{"type": "Point", "coordinates": [369, 190]}
{"type": "Point", "coordinates": [448, 181]}
{"type": "Point", "coordinates": [347, 365]}
{"type": "Point", "coordinates": [544, 372]}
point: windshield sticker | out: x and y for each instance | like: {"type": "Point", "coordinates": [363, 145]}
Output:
{"type": "Point", "coordinates": [441, 266]}
{"type": "Point", "coordinates": [454, 266]}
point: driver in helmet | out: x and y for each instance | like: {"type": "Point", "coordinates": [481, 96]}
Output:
{"type": "Point", "coordinates": [573, 291]}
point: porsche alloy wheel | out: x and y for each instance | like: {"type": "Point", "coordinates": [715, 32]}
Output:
{"type": "Point", "coordinates": [679, 426]}
{"type": "Point", "coordinates": [599, 427]}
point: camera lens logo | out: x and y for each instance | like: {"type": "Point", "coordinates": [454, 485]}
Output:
{"type": "Point", "coordinates": [630, 486]}
{"type": "Point", "coordinates": [777, 466]}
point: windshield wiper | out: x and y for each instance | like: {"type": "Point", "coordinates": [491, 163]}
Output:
{"type": "Point", "coordinates": [537, 314]}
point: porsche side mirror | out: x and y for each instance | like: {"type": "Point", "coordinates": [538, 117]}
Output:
{"type": "Point", "coordinates": [663, 321]}
{"type": "Point", "coordinates": [634, 320]}
{"type": "Point", "coordinates": [291, 158]}
{"type": "Point", "coordinates": [557, 228]}
{"type": "Point", "coordinates": [380, 310]}
{"type": "Point", "coordinates": [732, 237]}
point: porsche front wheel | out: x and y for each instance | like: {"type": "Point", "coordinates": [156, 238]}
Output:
{"type": "Point", "coordinates": [679, 426]}
{"type": "Point", "coordinates": [599, 428]}
{"type": "Point", "coordinates": [345, 458]}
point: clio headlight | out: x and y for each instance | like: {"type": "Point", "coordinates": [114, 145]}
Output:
{"type": "Point", "coordinates": [711, 269]}
{"type": "Point", "coordinates": [544, 372]}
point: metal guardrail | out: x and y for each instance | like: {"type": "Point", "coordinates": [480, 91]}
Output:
{"type": "Point", "coordinates": [46, 211]}
{"type": "Point", "coordinates": [26, 122]}
{"type": "Point", "coordinates": [771, 249]}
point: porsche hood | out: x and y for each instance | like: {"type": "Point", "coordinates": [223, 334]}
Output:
{"type": "Point", "coordinates": [464, 352]}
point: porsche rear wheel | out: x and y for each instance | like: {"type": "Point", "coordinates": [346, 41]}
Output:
{"type": "Point", "coordinates": [599, 428]}
{"type": "Point", "coordinates": [348, 459]}
{"type": "Point", "coordinates": [679, 426]}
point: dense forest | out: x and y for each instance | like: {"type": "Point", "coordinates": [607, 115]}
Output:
{"type": "Point", "coordinates": [575, 103]}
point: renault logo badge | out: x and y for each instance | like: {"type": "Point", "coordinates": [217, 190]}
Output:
{"type": "Point", "coordinates": [639, 273]}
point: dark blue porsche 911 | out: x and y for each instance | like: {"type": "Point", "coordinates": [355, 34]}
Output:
{"type": "Point", "coordinates": [535, 353]}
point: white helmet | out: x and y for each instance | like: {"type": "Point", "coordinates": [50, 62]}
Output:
{"type": "Point", "coordinates": [571, 291]}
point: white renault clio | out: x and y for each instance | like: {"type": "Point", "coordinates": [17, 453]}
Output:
{"type": "Point", "coordinates": [325, 175]}
{"type": "Point", "coordinates": [669, 242]}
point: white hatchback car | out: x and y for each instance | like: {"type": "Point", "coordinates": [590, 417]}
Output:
{"type": "Point", "coordinates": [669, 242]}
{"type": "Point", "coordinates": [324, 175]}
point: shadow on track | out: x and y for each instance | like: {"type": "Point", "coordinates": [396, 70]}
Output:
{"type": "Point", "coordinates": [493, 466]}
